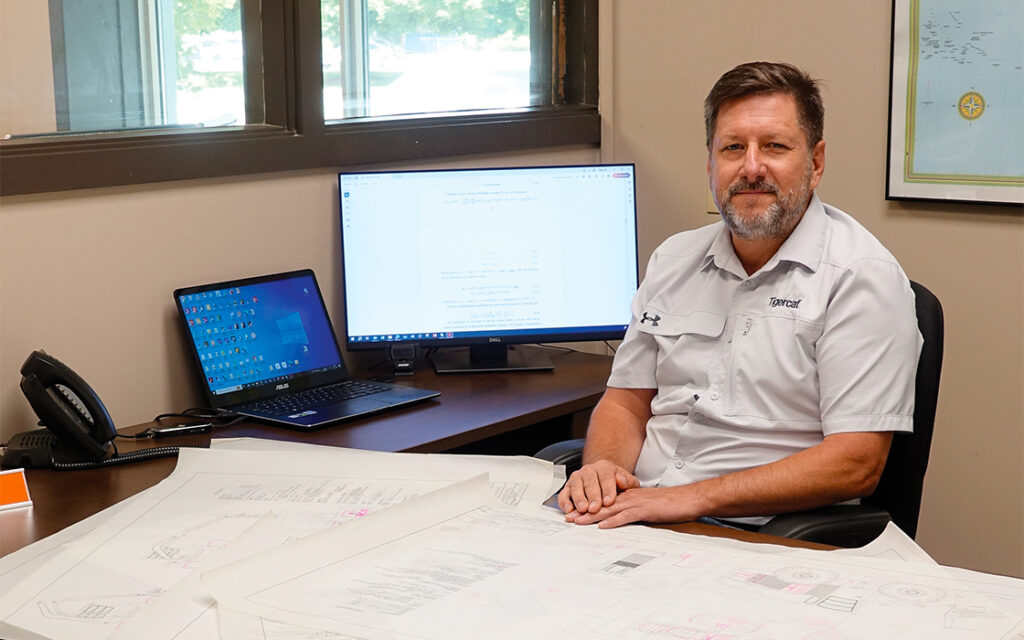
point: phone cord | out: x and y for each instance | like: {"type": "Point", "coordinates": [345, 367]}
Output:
{"type": "Point", "coordinates": [133, 456]}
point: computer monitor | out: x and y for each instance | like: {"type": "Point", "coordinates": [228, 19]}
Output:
{"type": "Point", "coordinates": [485, 258]}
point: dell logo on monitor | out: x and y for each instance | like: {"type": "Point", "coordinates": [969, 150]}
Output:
{"type": "Point", "coordinates": [494, 339]}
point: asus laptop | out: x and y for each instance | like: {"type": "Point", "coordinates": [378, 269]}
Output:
{"type": "Point", "coordinates": [265, 348]}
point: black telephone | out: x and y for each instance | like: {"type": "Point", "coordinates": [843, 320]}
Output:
{"type": "Point", "coordinates": [76, 425]}
{"type": "Point", "coordinates": [77, 431]}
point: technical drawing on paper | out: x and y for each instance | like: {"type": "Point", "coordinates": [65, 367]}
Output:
{"type": "Point", "coordinates": [107, 610]}
{"type": "Point", "coordinates": [625, 566]}
{"type": "Point", "coordinates": [190, 547]}
{"type": "Point", "coordinates": [815, 585]}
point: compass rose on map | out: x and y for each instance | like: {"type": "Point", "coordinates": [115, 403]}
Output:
{"type": "Point", "coordinates": [971, 105]}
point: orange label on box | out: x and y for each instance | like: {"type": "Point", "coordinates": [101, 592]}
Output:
{"type": "Point", "coordinates": [13, 489]}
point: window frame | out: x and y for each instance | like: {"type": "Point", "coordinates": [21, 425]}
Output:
{"type": "Point", "coordinates": [284, 90]}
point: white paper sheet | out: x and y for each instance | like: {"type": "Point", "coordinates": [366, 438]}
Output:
{"type": "Point", "coordinates": [454, 565]}
{"type": "Point", "coordinates": [100, 580]}
{"type": "Point", "coordinates": [185, 612]}
{"type": "Point", "coordinates": [891, 544]}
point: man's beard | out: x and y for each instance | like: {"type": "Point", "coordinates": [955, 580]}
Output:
{"type": "Point", "coordinates": [776, 221]}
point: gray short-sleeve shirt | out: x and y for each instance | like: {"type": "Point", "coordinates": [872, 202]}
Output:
{"type": "Point", "coordinates": [750, 369]}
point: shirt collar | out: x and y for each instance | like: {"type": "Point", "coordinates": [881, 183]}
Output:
{"type": "Point", "coordinates": [804, 246]}
{"type": "Point", "coordinates": [721, 253]}
{"type": "Point", "coordinates": [807, 242]}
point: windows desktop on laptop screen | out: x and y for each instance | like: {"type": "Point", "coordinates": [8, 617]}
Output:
{"type": "Point", "coordinates": [257, 333]}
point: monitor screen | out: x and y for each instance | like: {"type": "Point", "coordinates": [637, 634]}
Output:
{"type": "Point", "coordinates": [471, 257]}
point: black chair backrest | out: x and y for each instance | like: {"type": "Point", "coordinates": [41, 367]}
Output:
{"type": "Point", "coordinates": [899, 490]}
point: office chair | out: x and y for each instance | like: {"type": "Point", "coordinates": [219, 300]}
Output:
{"type": "Point", "coordinates": [898, 494]}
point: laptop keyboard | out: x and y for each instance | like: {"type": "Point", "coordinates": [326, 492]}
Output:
{"type": "Point", "coordinates": [316, 397]}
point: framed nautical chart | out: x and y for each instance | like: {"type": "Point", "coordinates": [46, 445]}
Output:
{"type": "Point", "coordinates": [956, 114]}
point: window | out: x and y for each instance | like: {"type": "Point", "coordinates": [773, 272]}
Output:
{"type": "Point", "coordinates": [154, 90]}
{"type": "Point", "coordinates": [125, 64]}
{"type": "Point", "coordinates": [391, 57]}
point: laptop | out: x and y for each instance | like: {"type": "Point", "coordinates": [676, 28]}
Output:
{"type": "Point", "coordinates": [264, 347]}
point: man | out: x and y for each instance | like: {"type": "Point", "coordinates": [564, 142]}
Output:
{"type": "Point", "coordinates": [771, 355]}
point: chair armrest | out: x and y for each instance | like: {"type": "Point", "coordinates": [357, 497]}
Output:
{"type": "Point", "coordinates": [841, 525]}
{"type": "Point", "coordinates": [567, 452]}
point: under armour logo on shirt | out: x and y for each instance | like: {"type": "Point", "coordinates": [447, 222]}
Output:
{"type": "Point", "coordinates": [654, 320]}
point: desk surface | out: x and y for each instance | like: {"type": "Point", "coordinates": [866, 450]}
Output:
{"type": "Point", "coordinates": [471, 407]}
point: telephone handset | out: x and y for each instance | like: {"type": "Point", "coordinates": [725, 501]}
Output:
{"type": "Point", "coordinates": [77, 427]}
{"type": "Point", "coordinates": [67, 406]}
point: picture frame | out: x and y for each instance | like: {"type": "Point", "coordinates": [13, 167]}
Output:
{"type": "Point", "coordinates": [956, 102]}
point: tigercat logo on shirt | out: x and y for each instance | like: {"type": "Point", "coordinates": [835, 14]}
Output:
{"type": "Point", "coordinates": [782, 302]}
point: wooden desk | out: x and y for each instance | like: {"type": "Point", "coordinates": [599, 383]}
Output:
{"type": "Point", "coordinates": [699, 528]}
{"type": "Point", "coordinates": [472, 408]}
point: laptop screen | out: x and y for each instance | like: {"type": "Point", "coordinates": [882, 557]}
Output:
{"type": "Point", "coordinates": [260, 331]}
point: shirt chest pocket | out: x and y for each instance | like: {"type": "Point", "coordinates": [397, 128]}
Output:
{"type": "Point", "coordinates": [687, 346]}
{"type": "Point", "coordinates": [773, 368]}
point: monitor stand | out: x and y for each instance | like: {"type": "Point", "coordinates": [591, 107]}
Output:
{"type": "Point", "coordinates": [486, 358]}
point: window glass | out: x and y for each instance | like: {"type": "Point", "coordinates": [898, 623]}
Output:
{"type": "Point", "coordinates": [390, 57]}
{"type": "Point", "coordinates": [209, 57]}
{"type": "Point", "coordinates": [126, 67]}
{"type": "Point", "coordinates": [130, 64]}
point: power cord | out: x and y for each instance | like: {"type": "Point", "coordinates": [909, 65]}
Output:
{"type": "Point", "coordinates": [571, 350]}
{"type": "Point", "coordinates": [215, 419]}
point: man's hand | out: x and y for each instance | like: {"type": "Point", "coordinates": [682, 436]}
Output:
{"type": "Point", "coordinates": [594, 487]}
{"type": "Point", "coordinates": [652, 504]}
{"type": "Point", "coordinates": [614, 438]}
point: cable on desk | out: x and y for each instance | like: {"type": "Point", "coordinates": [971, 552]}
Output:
{"type": "Point", "coordinates": [545, 345]}
{"type": "Point", "coordinates": [572, 350]}
{"type": "Point", "coordinates": [229, 418]}
{"type": "Point", "coordinates": [116, 460]}
{"type": "Point", "coordinates": [224, 417]}
{"type": "Point", "coordinates": [202, 413]}
{"type": "Point", "coordinates": [377, 365]}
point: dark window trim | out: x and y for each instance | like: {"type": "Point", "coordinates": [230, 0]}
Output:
{"type": "Point", "coordinates": [296, 136]}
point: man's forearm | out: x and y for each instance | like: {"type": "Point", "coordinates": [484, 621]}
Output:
{"type": "Point", "coordinates": [618, 426]}
{"type": "Point", "coordinates": [844, 466]}
{"type": "Point", "coordinates": [615, 436]}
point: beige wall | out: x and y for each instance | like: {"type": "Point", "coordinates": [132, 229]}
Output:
{"type": "Point", "coordinates": [30, 109]}
{"type": "Point", "coordinates": [88, 275]}
{"type": "Point", "coordinates": [665, 56]}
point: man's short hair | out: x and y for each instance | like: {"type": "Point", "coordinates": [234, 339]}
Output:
{"type": "Point", "coordinates": [762, 78]}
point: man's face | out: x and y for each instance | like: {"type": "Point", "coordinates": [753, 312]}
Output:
{"type": "Point", "coordinates": [760, 168]}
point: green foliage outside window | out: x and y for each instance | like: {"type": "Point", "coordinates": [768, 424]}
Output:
{"type": "Point", "coordinates": [201, 17]}
{"type": "Point", "coordinates": [391, 20]}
